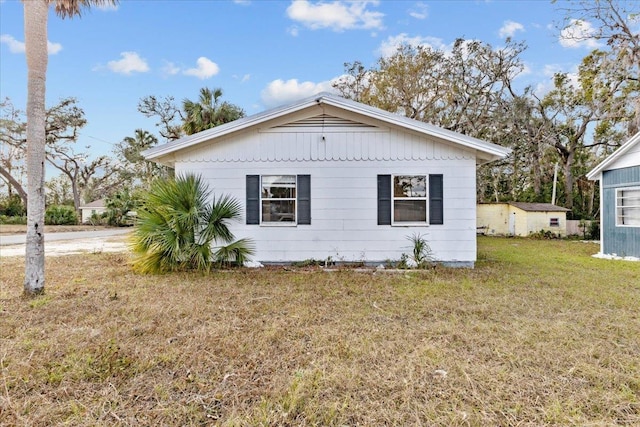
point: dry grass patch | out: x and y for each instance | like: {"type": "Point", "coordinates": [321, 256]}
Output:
{"type": "Point", "coordinates": [539, 333]}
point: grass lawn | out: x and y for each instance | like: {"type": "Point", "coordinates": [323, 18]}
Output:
{"type": "Point", "coordinates": [540, 333]}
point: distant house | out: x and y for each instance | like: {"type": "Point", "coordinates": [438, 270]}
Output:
{"type": "Point", "coordinates": [96, 207]}
{"type": "Point", "coordinates": [521, 219]}
{"type": "Point", "coordinates": [619, 176]}
{"type": "Point", "coordinates": [326, 177]}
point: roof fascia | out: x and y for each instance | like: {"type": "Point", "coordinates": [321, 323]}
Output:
{"type": "Point", "coordinates": [594, 174]}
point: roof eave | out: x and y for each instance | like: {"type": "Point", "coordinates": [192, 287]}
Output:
{"type": "Point", "coordinates": [596, 173]}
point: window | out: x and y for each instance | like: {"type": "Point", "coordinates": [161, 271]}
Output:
{"type": "Point", "coordinates": [628, 207]}
{"type": "Point", "coordinates": [554, 222]}
{"type": "Point", "coordinates": [278, 199]}
{"type": "Point", "coordinates": [409, 199]}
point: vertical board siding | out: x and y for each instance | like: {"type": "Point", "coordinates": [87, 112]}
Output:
{"type": "Point", "coordinates": [622, 241]}
{"type": "Point", "coordinates": [271, 146]}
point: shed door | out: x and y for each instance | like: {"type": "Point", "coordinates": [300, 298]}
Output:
{"type": "Point", "coordinates": [512, 224]}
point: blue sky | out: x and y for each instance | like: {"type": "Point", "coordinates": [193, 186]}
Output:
{"type": "Point", "coordinates": [261, 53]}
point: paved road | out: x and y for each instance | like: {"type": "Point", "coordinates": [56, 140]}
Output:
{"type": "Point", "coordinates": [19, 239]}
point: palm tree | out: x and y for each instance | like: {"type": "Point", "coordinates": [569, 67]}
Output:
{"type": "Point", "coordinates": [35, 30]}
{"type": "Point", "coordinates": [137, 167]}
{"type": "Point", "coordinates": [177, 228]}
{"type": "Point", "coordinates": [208, 111]}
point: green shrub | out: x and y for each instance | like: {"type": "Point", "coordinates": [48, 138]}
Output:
{"type": "Point", "coordinates": [13, 220]}
{"type": "Point", "coordinates": [60, 215]}
{"type": "Point", "coordinates": [544, 235]}
{"type": "Point", "coordinates": [119, 207]}
{"type": "Point", "coordinates": [594, 230]}
{"type": "Point", "coordinates": [12, 206]}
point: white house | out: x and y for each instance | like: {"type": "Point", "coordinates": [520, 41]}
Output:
{"type": "Point", "coordinates": [97, 207]}
{"type": "Point", "coordinates": [619, 176]}
{"type": "Point", "coordinates": [328, 177]}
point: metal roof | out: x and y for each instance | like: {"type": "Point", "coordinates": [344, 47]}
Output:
{"type": "Point", "coordinates": [538, 207]}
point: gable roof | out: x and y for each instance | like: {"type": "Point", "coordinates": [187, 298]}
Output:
{"type": "Point", "coordinates": [538, 207]}
{"type": "Point", "coordinates": [100, 203]}
{"type": "Point", "coordinates": [485, 151]}
{"type": "Point", "coordinates": [594, 174]}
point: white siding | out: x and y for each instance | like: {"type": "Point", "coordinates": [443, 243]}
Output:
{"type": "Point", "coordinates": [628, 159]}
{"type": "Point", "coordinates": [343, 169]}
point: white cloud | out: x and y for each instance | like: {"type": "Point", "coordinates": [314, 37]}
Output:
{"type": "Point", "coordinates": [420, 11]}
{"type": "Point", "coordinates": [549, 71]}
{"type": "Point", "coordinates": [509, 29]}
{"type": "Point", "coordinates": [53, 48]}
{"type": "Point", "coordinates": [242, 2]}
{"type": "Point", "coordinates": [338, 15]}
{"type": "Point", "coordinates": [293, 31]}
{"type": "Point", "coordinates": [579, 34]}
{"type": "Point", "coordinates": [170, 69]}
{"type": "Point", "coordinates": [205, 68]}
{"type": "Point", "coordinates": [130, 63]}
{"type": "Point", "coordinates": [280, 92]}
{"type": "Point", "coordinates": [242, 79]}
{"type": "Point", "coordinates": [16, 46]}
{"type": "Point", "coordinates": [389, 46]}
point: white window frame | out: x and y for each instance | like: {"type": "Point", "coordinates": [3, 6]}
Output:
{"type": "Point", "coordinates": [395, 223]}
{"type": "Point", "coordinates": [556, 220]}
{"type": "Point", "coordinates": [294, 199]}
{"type": "Point", "coordinates": [619, 212]}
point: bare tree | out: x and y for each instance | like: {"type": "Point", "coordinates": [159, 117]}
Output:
{"type": "Point", "coordinates": [614, 23]}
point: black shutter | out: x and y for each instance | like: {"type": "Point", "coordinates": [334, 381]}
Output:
{"type": "Point", "coordinates": [384, 199]}
{"type": "Point", "coordinates": [253, 199]}
{"type": "Point", "coordinates": [304, 199]}
{"type": "Point", "coordinates": [436, 200]}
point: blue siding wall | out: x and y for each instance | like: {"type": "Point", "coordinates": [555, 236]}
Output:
{"type": "Point", "coordinates": [623, 241]}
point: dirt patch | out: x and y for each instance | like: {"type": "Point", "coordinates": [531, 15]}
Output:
{"type": "Point", "coordinates": [70, 247]}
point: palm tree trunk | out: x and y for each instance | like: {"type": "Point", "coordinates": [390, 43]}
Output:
{"type": "Point", "coordinates": [35, 30]}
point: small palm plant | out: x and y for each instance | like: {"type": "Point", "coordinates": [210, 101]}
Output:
{"type": "Point", "coordinates": [177, 228]}
{"type": "Point", "coordinates": [422, 255]}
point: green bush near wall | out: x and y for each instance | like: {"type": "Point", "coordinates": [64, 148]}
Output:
{"type": "Point", "coordinates": [60, 215]}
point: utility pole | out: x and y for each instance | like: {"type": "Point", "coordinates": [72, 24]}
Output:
{"type": "Point", "coordinates": [555, 179]}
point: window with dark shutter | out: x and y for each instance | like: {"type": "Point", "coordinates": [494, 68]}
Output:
{"type": "Point", "coordinates": [278, 199]}
{"type": "Point", "coordinates": [304, 199]}
{"type": "Point", "coordinates": [384, 199]}
{"type": "Point", "coordinates": [253, 199]}
{"type": "Point", "coordinates": [436, 200]}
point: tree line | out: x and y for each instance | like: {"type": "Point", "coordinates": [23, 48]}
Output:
{"type": "Point", "coordinates": [469, 89]}
{"type": "Point", "coordinates": [82, 179]}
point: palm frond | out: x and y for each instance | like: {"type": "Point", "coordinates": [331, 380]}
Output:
{"type": "Point", "coordinates": [177, 227]}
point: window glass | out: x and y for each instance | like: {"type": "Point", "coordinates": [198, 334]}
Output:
{"type": "Point", "coordinates": [628, 207]}
{"type": "Point", "coordinates": [410, 199]}
{"type": "Point", "coordinates": [278, 198]}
